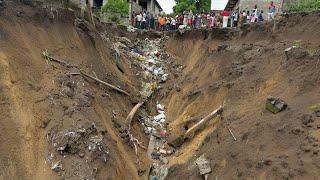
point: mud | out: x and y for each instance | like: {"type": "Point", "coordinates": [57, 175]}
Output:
{"type": "Point", "coordinates": [57, 124]}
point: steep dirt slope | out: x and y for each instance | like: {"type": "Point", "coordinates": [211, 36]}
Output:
{"type": "Point", "coordinates": [42, 101]}
{"type": "Point", "coordinates": [39, 97]}
{"type": "Point", "coordinates": [242, 68]}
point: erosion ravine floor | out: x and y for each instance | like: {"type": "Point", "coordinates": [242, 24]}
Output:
{"type": "Point", "coordinates": [61, 119]}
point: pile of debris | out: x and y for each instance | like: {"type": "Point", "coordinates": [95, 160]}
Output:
{"type": "Point", "coordinates": [84, 142]}
{"type": "Point", "coordinates": [149, 59]}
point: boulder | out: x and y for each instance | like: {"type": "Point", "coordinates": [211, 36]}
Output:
{"type": "Point", "coordinates": [275, 105]}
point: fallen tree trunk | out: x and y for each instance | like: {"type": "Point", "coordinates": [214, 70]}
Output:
{"type": "Point", "coordinates": [104, 83]}
{"type": "Point", "coordinates": [202, 122]}
{"type": "Point", "coordinates": [46, 56]}
{"type": "Point", "coordinates": [132, 113]}
{"type": "Point", "coordinates": [60, 61]}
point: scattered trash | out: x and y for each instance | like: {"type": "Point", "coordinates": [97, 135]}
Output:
{"type": "Point", "coordinates": [290, 48]}
{"type": "Point", "coordinates": [57, 167]}
{"type": "Point", "coordinates": [79, 141]}
{"type": "Point", "coordinates": [163, 173]}
{"type": "Point", "coordinates": [149, 57]}
{"type": "Point", "coordinates": [131, 29]}
{"type": "Point", "coordinates": [182, 29]}
{"type": "Point", "coordinates": [204, 166]}
{"type": "Point", "coordinates": [275, 105]}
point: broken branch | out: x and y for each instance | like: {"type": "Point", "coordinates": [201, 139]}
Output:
{"type": "Point", "coordinates": [203, 121]}
{"type": "Point", "coordinates": [104, 83]}
{"type": "Point", "coordinates": [45, 55]}
{"type": "Point", "coordinates": [132, 113]}
{"type": "Point", "coordinates": [232, 134]}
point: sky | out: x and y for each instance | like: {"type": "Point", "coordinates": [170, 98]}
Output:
{"type": "Point", "coordinates": [218, 4]}
{"type": "Point", "coordinates": [167, 5]}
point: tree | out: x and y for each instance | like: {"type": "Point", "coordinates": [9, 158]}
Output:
{"type": "Point", "coordinates": [116, 6]}
{"type": "Point", "coordinates": [182, 5]}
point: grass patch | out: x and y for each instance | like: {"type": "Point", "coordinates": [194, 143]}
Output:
{"type": "Point", "coordinates": [304, 6]}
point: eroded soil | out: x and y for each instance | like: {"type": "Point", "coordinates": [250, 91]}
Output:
{"type": "Point", "coordinates": [43, 102]}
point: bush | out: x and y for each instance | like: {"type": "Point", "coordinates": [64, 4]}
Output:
{"type": "Point", "coordinates": [117, 6]}
{"type": "Point", "coordinates": [304, 6]}
{"type": "Point", "coordinates": [114, 19]}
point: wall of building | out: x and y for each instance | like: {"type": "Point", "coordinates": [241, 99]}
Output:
{"type": "Point", "coordinates": [136, 7]}
{"type": "Point", "coordinates": [262, 4]}
{"type": "Point", "coordinates": [83, 2]}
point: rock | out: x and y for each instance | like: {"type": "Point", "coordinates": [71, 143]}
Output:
{"type": "Point", "coordinates": [222, 47]}
{"type": "Point", "coordinates": [45, 123]}
{"type": "Point", "coordinates": [317, 112]}
{"type": "Point", "coordinates": [57, 167]}
{"type": "Point", "coordinates": [81, 154]}
{"type": "Point", "coordinates": [295, 52]}
{"type": "Point", "coordinates": [275, 105]}
{"type": "Point", "coordinates": [177, 142]}
{"type": "Point", "coordinates": [297, 131]}
{"type": "Point", "coordinates": [267, 162]}
{"type": "Point", "coordinates": [306, 119]}
{"type": "Point", "coordinates": [203, 165]}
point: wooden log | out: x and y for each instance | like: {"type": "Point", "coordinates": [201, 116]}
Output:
{"type": "Point", "coordinates": [202, 122]}
{"type": "Point", "coordinates": [104, 83]}
{"type": "Point", "coordinates": [60, 61]}
{"type": "Point", "coordinates": [132, 113]}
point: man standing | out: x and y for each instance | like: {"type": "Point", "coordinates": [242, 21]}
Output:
{"type": "Point", "coordinates": [225, 15]}
{"type": "Point", "coordinates": [162, 23]}
{"type": "Point", "coordinates": [235, 17]}
{"type": "Point", "coordinates": [272, 11]}
{"type": "Point", "coordinates": [139, 20]}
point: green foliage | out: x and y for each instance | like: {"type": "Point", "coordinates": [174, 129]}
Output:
{"type": "Point", "coordinates": [45, 54]}
{"type": "Point", "coordinates": [114, 18]}
{"type": "Point", "coordinates": [297, 43]}
{"type": "Point", "coordinates": [116, 6]}
{"type": "Point", "coordinates": [182, 5]}
{"type": "Point", "coordinates": [304, 6]}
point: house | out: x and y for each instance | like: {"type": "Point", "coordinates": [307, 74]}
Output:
{"type": "Point", "coordinates": [249, 4]}
{"type": "Point", "coordinates": [95, 3]}
{"type": "Point", "coordinates": [151, 6]}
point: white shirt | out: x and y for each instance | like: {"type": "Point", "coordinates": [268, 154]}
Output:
{"type": "Point", "coordinates": [139, 17]}
{"type": "Point", "coordinates": [173, 21]}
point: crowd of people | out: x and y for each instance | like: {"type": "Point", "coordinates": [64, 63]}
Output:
{"type": "Point", "coordinates": [188, 19]}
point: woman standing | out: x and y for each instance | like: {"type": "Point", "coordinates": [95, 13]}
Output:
{"type": "Point", "coordinates": [212, 20]}
{"type": "Point", "coordinates": [254, 15]}
{"type": "Point", "coordinates": [190, 18]}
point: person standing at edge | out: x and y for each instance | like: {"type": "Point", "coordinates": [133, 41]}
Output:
{"type": "Point", "coordinates": [139, 20]}
{"type": "Point", "coordinates": [225, 14]}
{"type": "Point", "coordinates": [162, 22]}
{"type": "Point", "coordinates": [272, 11]}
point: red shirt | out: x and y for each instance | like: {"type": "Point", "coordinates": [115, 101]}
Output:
{"type": "Point", "coordinates": [225, 13]}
